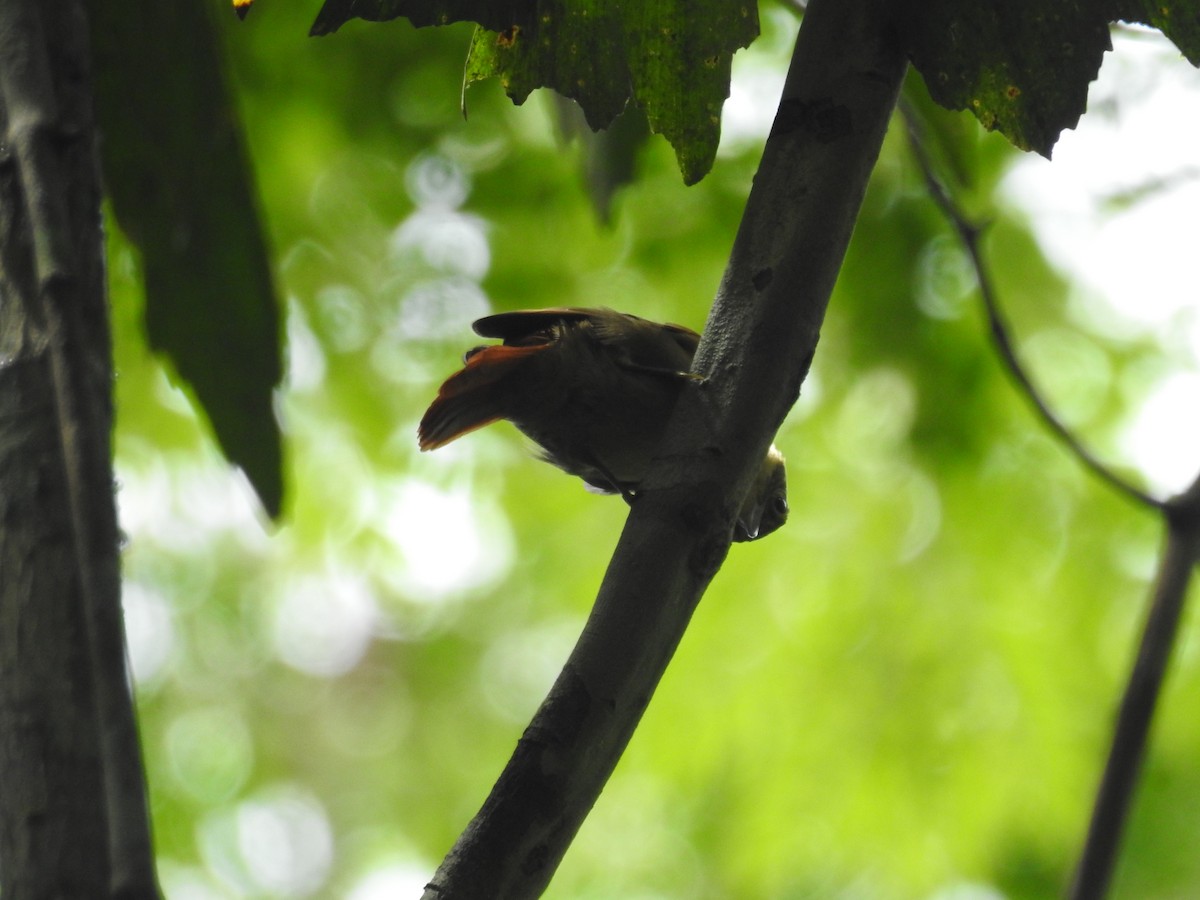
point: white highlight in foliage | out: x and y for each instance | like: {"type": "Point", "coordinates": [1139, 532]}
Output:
{"type": "Point", "coordinates": [1164, 436]}
{"type": "Point", "coordinates": [305, 359]}
{"type": "Point", "coordinates": [394, 881]}
{"type": "Point", "coordinates": [449, 241]}
{"type": "Point", "coordinates": [1115, 211]}
{"type": "Point", "coordinates": [149, 631]}
{"type": "Point", "coordinates": [324, 624]}
{"type": "Point", "coordinates": [179, 501]}
{"type": "Point", "coordinates": [285, 840]}
{"type": "Point", "coordinates": [278, 843]}
{"type": "Point", "coordinates": [449, 540]}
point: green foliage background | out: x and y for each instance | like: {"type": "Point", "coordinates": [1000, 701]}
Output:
{"type": "Point", "coordinates": [905, 693]}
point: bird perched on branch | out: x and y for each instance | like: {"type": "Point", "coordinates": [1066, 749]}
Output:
{"type": "Point", "coordinates": [594, 389]}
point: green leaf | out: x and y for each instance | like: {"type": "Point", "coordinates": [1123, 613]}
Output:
{"type": "Point", "coordinates": [181, 189]}
{"type": "Point", "coordinates": [1021, 66]}
{"type": "Point", "coordinates": [671, 57]}
{"type": "Point", "coordinates": [673, 60]}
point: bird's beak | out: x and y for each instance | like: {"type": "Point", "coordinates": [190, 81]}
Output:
{"type": "Point", "coordinates": [749, 523]}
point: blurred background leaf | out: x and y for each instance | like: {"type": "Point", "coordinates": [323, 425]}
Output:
{"type": "Point", "coordinates": [905, 693]}
{"type": "Point", "coordinates": [608, 160]}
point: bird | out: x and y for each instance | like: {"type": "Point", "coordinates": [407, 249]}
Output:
{"type": "Point", "coordinates": [594, 389]}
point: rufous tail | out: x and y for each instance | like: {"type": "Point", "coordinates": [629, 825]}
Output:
{"type": "Point", "coordinates": [472, 397]}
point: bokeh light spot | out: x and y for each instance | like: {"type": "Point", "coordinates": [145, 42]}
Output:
{"type": "Point", "coordinates": [1164, 439]}
{"type": "Point", "coordinates": [149, 631]}
{"type": "Point", "coordinates": [1073, 371]}
{"type": "Point", "coordinates": [436, 181]}
{"type": "Point", "coordinates": [449, 540]}
{"type": "Point", "coordinates": [209, 753]}
{"type": "Point", "coordinates": [285, 840]}
{"type": "Point", "coordinates": [393, 881]}
{"type": "Point", "coordinates": [277, 843]}
{"type": "Point", "coordinates": [519, 668]}
{"type": "Point", "coordinates": [448, 241]}
{"type": "Point", "coordinates": [876, 415]}
{"type": "Point", "coordinates": [323, 625]}
{"type": "Point", "coordinates": [343, 318]}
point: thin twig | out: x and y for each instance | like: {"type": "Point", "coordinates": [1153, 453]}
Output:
{"type": "Point", "coordinates": [1111, 810]}
{"type": "Point", "coordinates": [969, 233]}
{"type": "Point", "coordinates": [1181, 555]}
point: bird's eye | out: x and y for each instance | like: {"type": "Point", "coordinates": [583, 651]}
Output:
{"type": "Point", "coordinates": [779, 506]}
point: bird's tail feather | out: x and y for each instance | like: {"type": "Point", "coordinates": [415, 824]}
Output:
{"type": "Point", "coordinates": [472, 397]}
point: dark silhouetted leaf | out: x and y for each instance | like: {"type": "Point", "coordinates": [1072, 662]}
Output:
{"type": "Point", "coordinates": [498, 16]}
{"type": "Point", "coordinates": [1023, 66]}
{"type": "Point", "coordinates": [176, 170]}
{"type": "Point", "coordinates": [1178, 21]}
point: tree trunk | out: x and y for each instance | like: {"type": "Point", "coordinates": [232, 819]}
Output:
{"type": "Point", "coordinates": [73, 819]}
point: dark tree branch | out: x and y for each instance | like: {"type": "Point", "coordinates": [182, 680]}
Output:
{"type": "Point", "coordinates": [57, 307]}
{"type": "Point", "coordinates": [761, 335]}
{"type": "Point", "coordinates": [1111, 810]}
{"type": "Point", "coordinates": [969, 234]}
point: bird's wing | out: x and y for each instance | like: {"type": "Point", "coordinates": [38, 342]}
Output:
{"type": "Point", "coordinates": [640, 342]}
{"type": "Point", "coordinates": [518, 325]}
{"type": "Point", "coordinates": [645, 344]}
